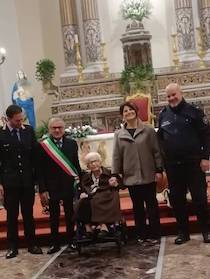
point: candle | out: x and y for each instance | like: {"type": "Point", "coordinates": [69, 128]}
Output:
{"type": "Point", "coordinates": [173, 30]}
{"type": "Point", "coordinates": [76, 39]}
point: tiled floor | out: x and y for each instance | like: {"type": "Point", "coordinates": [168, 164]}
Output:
{"type": "Point", "coordinates": [101, 261]}
{"type": "Point", "coordinates": [24, 266]}
{"type": "Point", "coordinates": [190, 260]}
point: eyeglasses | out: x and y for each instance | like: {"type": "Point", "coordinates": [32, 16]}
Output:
{"type": "Point", "coordinates": [57, 127]}
{"type": "Point", "coordinates": [92, 162]}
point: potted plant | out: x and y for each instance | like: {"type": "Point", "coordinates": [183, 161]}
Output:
{"type": "Point", "coordinates": [45, 71]}
{"type": "Point", "coordinates": [41, 130]}
{"type": "Point", "coordinates": [136, 77]}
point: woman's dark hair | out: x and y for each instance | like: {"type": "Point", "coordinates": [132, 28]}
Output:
{"type": "Point", "coordinates": [130, 105]}
{"type": "Point", "coordinates": [12, 110]}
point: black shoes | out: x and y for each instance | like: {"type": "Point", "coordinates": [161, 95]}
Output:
{"type": "Point", "coordinates": [141, 241]}
{"type": "Point", "coordinates": [153, 241]}
{"type": "Point", "coordinates": [71, 248]}
{"type": "Point", "coordinates": [35, 250]}
{"type": "Point", "coordinates": [103, 234]}
{"type": "Point", "coordinates": [206, 237]}
{"type": "Point", "coordinates": [181, 239]}
{"type": "Point", "coordinates": [11, 253]}
{"type": "Point", "coordinates": [53, 249]}
{"type": "Point", "coordinates": [148, 241]}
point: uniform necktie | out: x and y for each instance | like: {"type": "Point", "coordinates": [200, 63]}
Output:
{"type": "Point", "coordinates": [16, 134]}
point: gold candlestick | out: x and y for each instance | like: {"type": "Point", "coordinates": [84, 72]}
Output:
{"type": "Point", "coordinates": [201, 47]}
{"type": "Point", "coordinates": [104, 60]}
{"type": "Point", "coordinates": [79, 63]}
{"type": "Point", "coordinates": [175, 51]}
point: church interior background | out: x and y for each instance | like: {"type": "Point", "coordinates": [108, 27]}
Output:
{"type": "Point", "coordinates": [91, 44]}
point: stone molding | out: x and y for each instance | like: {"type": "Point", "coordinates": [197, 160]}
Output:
{"type": "Point", "coordinates": [87, 106]}
{"type": "Point", "coordinates": [184, 78]}
{"type": "Point", "coordinates": [202, 95]}
{"type": "Point", "coordinates": [90, 90]}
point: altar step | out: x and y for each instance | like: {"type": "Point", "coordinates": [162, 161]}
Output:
{"type": "Point", "coordinates": [168, 223]}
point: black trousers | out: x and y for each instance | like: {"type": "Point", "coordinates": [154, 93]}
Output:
{"type": "Point", "coordinates": [141, 196]}
{"type": "Point", "coordinates": [181, 178]}
{"type": "Point", "coordinates": [54, 207]}
{"type": "Point", "coordinates": [25, 198]}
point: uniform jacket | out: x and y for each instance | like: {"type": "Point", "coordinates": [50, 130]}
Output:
{"type": "Point", "coordinates": [136, 158]}
{"type": "Point", "coordinates": [17, 159]}
{"type": "Point", "coordinates": [52, 177]}
{"type": "Point", "coordinates": [184, 133]}
{"type": "Point", "coordinates": [105, 203]}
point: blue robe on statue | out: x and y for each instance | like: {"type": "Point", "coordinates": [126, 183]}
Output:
{"type": "Point", "coordinates": [27, 105]}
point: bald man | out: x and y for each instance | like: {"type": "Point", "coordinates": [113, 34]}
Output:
{"type": "Point", "coordinates": [184, 134]}
{"type": "Point", "coordinates": [58, 154]}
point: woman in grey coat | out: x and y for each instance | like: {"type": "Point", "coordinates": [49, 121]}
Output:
{"type": "Point", "coordinates": [136, 156]}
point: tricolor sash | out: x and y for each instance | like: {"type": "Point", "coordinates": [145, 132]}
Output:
{"type": "Point", "coordinates": [59, 158]}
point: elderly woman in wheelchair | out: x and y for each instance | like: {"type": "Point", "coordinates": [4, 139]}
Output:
{"type": "Point", "coordinates": [98, 207]}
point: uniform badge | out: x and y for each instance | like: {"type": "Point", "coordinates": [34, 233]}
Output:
{"type": "Point", "coordinates": [165, 123]}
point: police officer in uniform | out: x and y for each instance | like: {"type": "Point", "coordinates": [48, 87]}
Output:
{"type": "Point", "coordinates": [184, 134]}
{"type": "Point", "coordinates": [17, 165]}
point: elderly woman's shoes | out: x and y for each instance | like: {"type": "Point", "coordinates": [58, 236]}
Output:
{"type": "Point", "coordinates": [103, 234]}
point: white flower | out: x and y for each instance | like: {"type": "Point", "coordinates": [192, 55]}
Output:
{"type": "Point", "coordinates": [135, 9]}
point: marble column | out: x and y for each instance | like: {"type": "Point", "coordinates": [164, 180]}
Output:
{"type": "Point", "coordinates": [69, 28]}
{"type": "Point", "coordinates": [204, 7]}
{"type": "Point", "coordinates": [92, 35]}
{"type": "Point", "coordinates": [185, 30]}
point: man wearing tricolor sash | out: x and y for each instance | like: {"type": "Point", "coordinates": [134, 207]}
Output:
{"type": "Point", "coordinates": [59, 172]}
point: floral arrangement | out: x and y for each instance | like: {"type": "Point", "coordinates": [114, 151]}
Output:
{"type": "Point", "coordinates": [136, 9]}
{"type": "Point", "coordinates": [80, 131]}
{"type": "Point", "coordinates": [137, 74]}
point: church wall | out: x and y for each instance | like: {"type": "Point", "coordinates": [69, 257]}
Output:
{"type": "Point", "coordinates": [9, 39]}
{"type": "Point", "coordinates": [31, 42]}
{"type": "Point", "coordinates": [31, 30]}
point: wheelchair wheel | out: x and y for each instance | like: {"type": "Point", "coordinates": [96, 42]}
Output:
{"type": "Point", "coordinates": [119, 244]}
{"type": "Point", "coordinates": [124, 235]}
{"type": "Point", "coordinates": [79, 249]}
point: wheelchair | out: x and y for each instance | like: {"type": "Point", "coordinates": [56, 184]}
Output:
{"type": "Point", "coordinates": [117, 233]}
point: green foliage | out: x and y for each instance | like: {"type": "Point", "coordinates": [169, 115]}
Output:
{"type": "Point", "coordinates": [136, 74]}
{"type": "Point", "coordinates": [45, 70]}
{"type": "Point", "coordinates": [41, 130]}
{"type": "Point", "coordinates": [136, 9]}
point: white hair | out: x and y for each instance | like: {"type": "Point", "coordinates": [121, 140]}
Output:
{"type": "Point", "coordinates": [92, 156]}
{"type": "Point", "coordinates": [55, 119]}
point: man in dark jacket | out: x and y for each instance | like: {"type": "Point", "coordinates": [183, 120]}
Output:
{"type": "Point", "coordinates": [59, 168]}
{"type": "Point", "coordinates": [17, 167]}
{"type": "Point", "coordinates": [184, 133]}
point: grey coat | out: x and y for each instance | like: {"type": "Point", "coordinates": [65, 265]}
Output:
{"type": "Point", "coordinates": [136, 158]}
